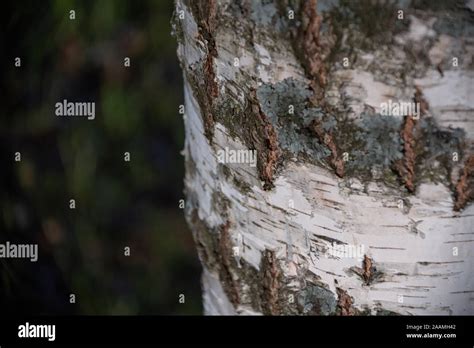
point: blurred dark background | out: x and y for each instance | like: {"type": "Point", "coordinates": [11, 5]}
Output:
{"type": "Point", "coordinates": [118, 203]}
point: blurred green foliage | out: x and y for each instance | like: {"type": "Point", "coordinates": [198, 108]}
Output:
{"type": "Point", "coordinates": [118, 203]}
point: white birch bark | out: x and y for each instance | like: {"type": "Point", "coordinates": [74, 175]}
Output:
{"type": "Point", "coordinates": [265, 250]}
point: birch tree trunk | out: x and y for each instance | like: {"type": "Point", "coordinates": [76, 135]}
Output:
{"type": "Point", "coordinates": [348, 211]}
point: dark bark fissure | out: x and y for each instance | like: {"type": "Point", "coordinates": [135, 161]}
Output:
{"type": "Point", "coordinates": [205, 13]}
{"type": "Point", "coordinates": [465, 185]}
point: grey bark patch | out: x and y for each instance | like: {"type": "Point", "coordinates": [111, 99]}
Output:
{"type": "Point", "coordinates": [367, 24]}
{"type": "Point", "coordinates": [263, 12]}
{"type": "Point", "coordinates": [435, 157]}
{"type": "Point", "coordinates": [275, 100]}
{"type": "Point", "coordinates": [386, 312]}
{"type": "Point", "coordinates": [316, 300]}
{"type": "Point", "coordinates": [373, 142]}
{"type": "Point", "coordinates": [270, 274]}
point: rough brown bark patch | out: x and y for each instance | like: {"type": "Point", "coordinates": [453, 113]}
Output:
{"type": "Point", "coordinates": [204, 241]}
{"type": "Point", "coordinates": [328, 140]}
{"type": "Point", "coordinates": [268, 151]}
{"type": "Point", "coordinates": [225, 272]}
{"type": "Point", "coordinates": [409, 135]}
{"type": "Point", "coordinates": [310, 49]}
{"type": "Point", "coordinates": [368, 268]}
{"type": "Point", "coordinates": [368, 273]}
{"type": "Point", "coordinates": [407, 169]}
{"type": "Point", "coordinates": [215, 252]}
{"type": "Point", "coordinates": [465, 185]}
{"type": "Point", "coordinates": [206, 11]}
{"type": "Point", "coordinates": [271, 283]}
{"type": "Point", "coordinates": [344, 303]}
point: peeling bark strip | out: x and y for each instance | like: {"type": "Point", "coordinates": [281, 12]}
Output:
{"type": "Point", "coordinates": [268, 153]}
{"type": "Point", "coordinates": [465, 185]}
{"type": "Point", "coordinates": [328, 140]}
{"type": "Point", "coordinates": [271, 284]}
{"type": "Point", "coordinates": [344, 303]}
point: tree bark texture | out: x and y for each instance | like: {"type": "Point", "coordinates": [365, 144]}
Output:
{"type": "Point", "coordinates": [303, 83]}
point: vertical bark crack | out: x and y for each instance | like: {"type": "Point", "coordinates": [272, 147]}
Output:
{"type": "Point", "coordinates": [268, 153]}
{"type": "Point", "coordinates": [310, 49]}
{"type": "Point", "coordinates": [328, 140]}
{"type": "Point", "coordinates": [206, 11]}
{"type": "Point", "coordinates": [407, 169]}
{"type": "Point", "coordinates": [409, 135]}
{"type": "Point", "coordinates": [271, 284]}
{"type": "Point", "coordinates": [465, 185]}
